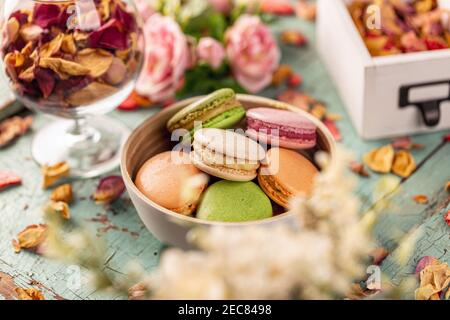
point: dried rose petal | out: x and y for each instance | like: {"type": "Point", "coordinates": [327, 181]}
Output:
{"type": "Point", "coordinates": [31, 32]}
{"type": "Point", "coordinates": [278, 7]}
{"type": "Point", "coordinates": [109, 36]}
{"type": "Point", "coordinates": [47, 15]}
{"type": "Point", "coordinates": [31, 237]}
{"type": "Point", "coordinates": [52, 48]}
{"type": "Point", "coordinates": [116, 73]}
{"type": "Point", "coordinates": [447, 187]}
{"type": "Point", "coordinates": [138, 292]}
{"type": "Point", "coordinates": [29, 294]}
{"type": "Point", "coordinates": [58, 208]}
{"type": "Point", "coordinates": [92, 92]}
{"type": "Point", "coordinates": [421, 199]}
{"type": "Point", "coordinates": [294, 81]}
{"type": "Point", "coordinates": [406, 143]}
{"type": "Point", "coordinates": [359, 169]}
{"type": "Point", "coordinates": [74, 84]}
{"type": "Point", "coordinates": [68, 44]}
{"type": "Point", "coordinates": [98, 61]}
{"type": "Point", "coordinates": [125, 18]}
{"type": "Point", "coordinates": [62, 193]}
{"type": "Point", "coordinates": [306, 10]}
{"type": "Point", "coordinates": [333, 128]}
{"type": "Point", "coordinates": [378, 255]}
{"type": "Point", "coordinates": [446, 138]}
{"type": "Point", "coordinates": [12, 31]}
{"type": "Point", "coordinates": [109, 189]}
{"type": "Point", "coordinates": [14, 59]}
{"type": "Point", "coordinates": [64, 68]}
{"type": "Point", "coordinates": [134, 102]}
{"type": "Point", "coordinates": [425, 262]}
{"type": "Point", "coordinates": [294, 38]}
{"type": "Point", "coordinates": [319, 111]}
{"type": "Point", "coordinates": [52, 174]}
{"type": "Point", "coordinates": [12, 128]}
{"type": "Point", "coordinates": [296, 99]}
{"type": "Point", "coordinates": [380, 160]}
{"type": "Point", "coordinates": [8, 179]}
{"type": "Point", "coordinates": [404, 164]}
{"type": "Point", "coordinates": [21, 16]}
{"type": "Point", "coordinates": [447, 217]}
{"type": "Point", "coordinates": [281, 74]}
{"type": "Point", "coordinates": [46, 81]}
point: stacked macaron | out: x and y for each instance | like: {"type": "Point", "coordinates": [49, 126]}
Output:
{"type": "Point", "coordinates": [244, 177]}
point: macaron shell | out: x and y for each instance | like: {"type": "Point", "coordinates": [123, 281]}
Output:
{"type": "Point", "coordinates": [223, 172]}
{"type": "Point", "coordinates": [272, 192]}
{"type": "Point", "coordinates": [227, 119]}
{"type": "Point", "coordinates": [291, 170]}
{"type": "Point", "coordinates": [212, 101]}
{"type": "Point", "coordinates": [229, 201]}
{"type": "Point", "coordinates": [230, 143]}
{"type": "Point", "coordinates": [279, 141]}
{"type": "Point", "coordinates": [280, 118]}
{"type": "Point", "coordinates": [163, 180]}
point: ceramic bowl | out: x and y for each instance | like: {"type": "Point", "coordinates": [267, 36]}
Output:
{"type": "Point", "coordinates": [152, 137]}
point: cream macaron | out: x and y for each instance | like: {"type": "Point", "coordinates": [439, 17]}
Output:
{"type": "Point", "coordinates": [226, 154]}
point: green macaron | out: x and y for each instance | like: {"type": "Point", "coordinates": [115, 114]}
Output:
{"type": "Point", "coordinates": [219, 110]}
{"type": "Point", "coordinates": [230, 201]}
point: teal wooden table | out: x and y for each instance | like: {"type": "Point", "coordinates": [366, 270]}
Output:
{"type": "Point", "coordinates": [128, 240]}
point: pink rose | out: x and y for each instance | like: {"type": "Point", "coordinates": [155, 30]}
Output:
{"type": "Point", "coordinates": [211, 51]}
{"type": "Point", "coordinates": [144, 8]}
{"type": "Point", "coordinates": [223, 6]}
{"type": "Point", "coordinates": [253, 53]}
{"type": "Point", "coordinates": [166, 59]}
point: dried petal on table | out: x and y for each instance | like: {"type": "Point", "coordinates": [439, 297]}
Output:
{"type": "Point", "coordinates": [359, 169]}
{"type": "Point", "coordinates": [434, 279]}
{"type": "Point", "coordinates": [447, 217]}
{"type": "Point", "coordinates": [380, 160]}
{"type": "Point", "coordinates": [404, 164]}
{"type": "Point", "coordinates": [425, 262]}
{"type": "Point", "coordinates": [333, 116]}
{"type": "Point", "coordinates": [12, 128]}
{"type": "Point", "coordinates": [277, 7]}
{"type": "Point", "coordinates": [138, 292]}
{"type": "Point", "coordinates": [8, 179]}
{"type": "Point", "coordinates": [421, 199]}
{"type": "Point", "coordinates": [134, 102]}
{"type": "Point", "coordinates": [295, 80]}
{"type": "Point", "coordinates": [92, 92]}
{"type": "Point", "coordinates": [62, 193]}
{"type": "Point", "coordinates": [280, 75]}
{"type": "Point", "coordinates": [406, 143]}
{"type": "Point", "coordinates": [306, 9]}
{"type": "Point", "coordinates": [294, 38]}
{"type": "Point", "coordinates": [319, 111]}
{"type": "Point", "coordinates": [53, 174]}
{"type": "Point", "coordinates": [447, 187]}
{"type": "Point", "coordinates": [59, 208]}
{"type": "Point", "coordinates": [296, 99]}
{"type": "Point", "coordinates": [446, 138]}
{"type": "Point", "coordinates": [109, 189]}
{"type": "Point", "coordinates": [31, 237]}
{"type": "Point", "coordinates": [29, 294]}
{"type": "Point", "coordinates": [378, 255]}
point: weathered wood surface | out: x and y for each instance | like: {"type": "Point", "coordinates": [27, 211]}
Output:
{"type": "Point", "coordinates": [127, 239]}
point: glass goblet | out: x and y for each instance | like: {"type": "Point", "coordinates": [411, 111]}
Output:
{"type": "Point", "coordinates": [73, 60]}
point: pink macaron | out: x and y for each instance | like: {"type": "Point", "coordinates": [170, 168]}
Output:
{"type": "Point", "coordinates": [283, 128]}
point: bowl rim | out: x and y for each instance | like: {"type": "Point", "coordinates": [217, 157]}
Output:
{"type": "Point", "coordinates": [189, 219]}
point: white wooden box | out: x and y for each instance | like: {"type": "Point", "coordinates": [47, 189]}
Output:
{"type": "Point", "coordinates": [385, 96]}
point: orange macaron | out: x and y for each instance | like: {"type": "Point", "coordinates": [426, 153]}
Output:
{"type": "Point", "coordinates": [285, 174]}
{"type": "Point", "coordinates": [170, 180]}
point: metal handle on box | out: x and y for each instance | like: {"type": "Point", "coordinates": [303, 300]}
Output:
{"type": "Point", "coordinates": [430, 109]}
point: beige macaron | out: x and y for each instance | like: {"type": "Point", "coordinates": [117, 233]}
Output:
{"type": "Point", "coordinates": [226, 154]}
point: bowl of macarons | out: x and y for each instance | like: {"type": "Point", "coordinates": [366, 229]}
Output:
{"type": "Point", "coordinates": [225, 159]}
